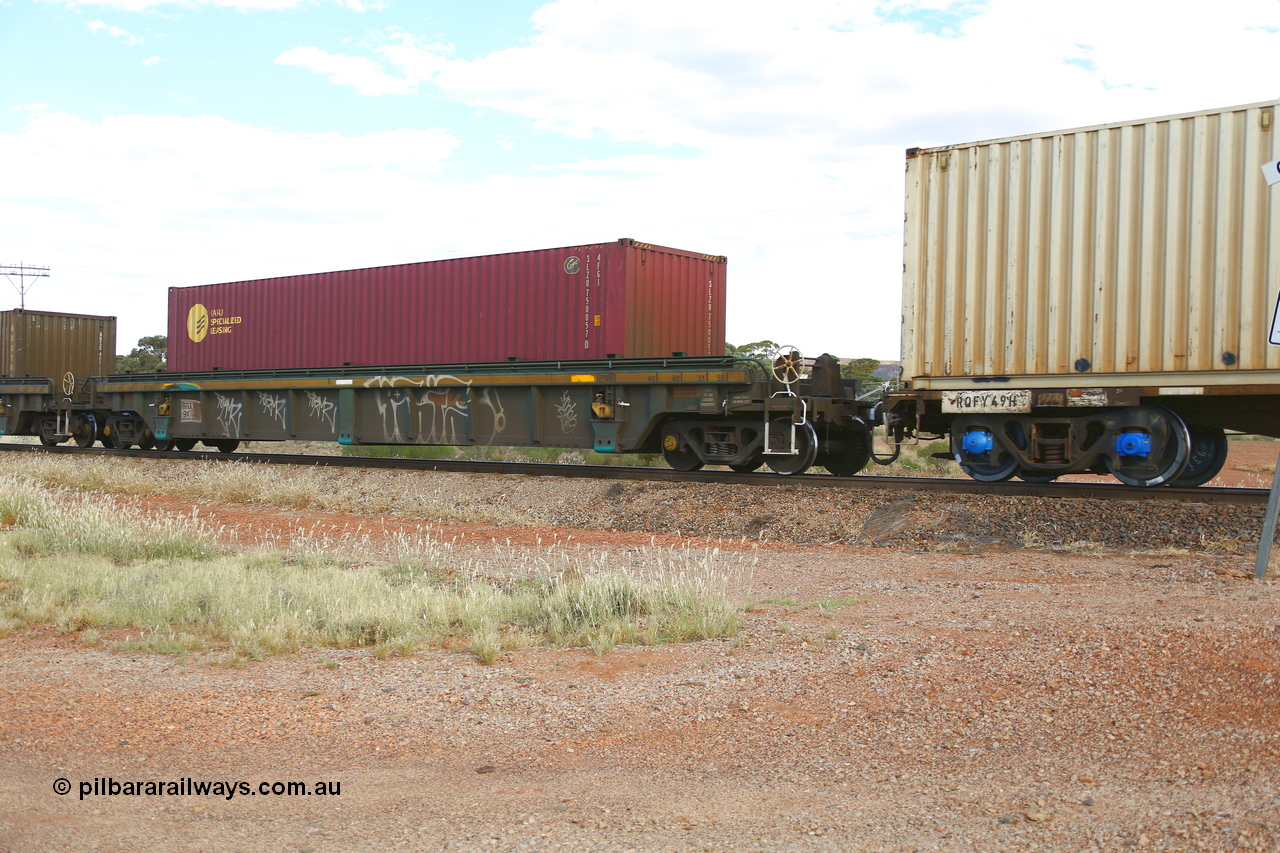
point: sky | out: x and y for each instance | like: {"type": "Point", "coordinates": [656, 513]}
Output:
{"type": "Point", "coordinates": [148, 144]}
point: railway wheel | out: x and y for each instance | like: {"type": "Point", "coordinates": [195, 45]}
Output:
{"type": "Point", "coordinates": [84, 429]}
{"type": "Point", "coordinates": [968, 445]}
{"type": "Point", "coordinates": [184, 444]}
{"type": "Point", "coordinates": [1207, 456]}
{"type": "Point", "coordinates": [990, 473]}
{"type": "Point", "coordinates": [147, 440]}
{"type": "Point", "coordinates": [224, 445]}
{"type": "Point", "coordinates": [846, 453]}
{"type": "Point", "coordinates": [163, 446]}
{"type": "Point", "coordinates": [679, 460]}
{"type": "Point", "coordinates": [806, 448]}
{"type": "Point", "coordinates": [1165, 438]}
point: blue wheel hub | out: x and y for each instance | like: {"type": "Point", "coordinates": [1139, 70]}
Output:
{"type": "Point", "coordinates": [1133, 444]}
{"type": "Point", "coordinates": [977, 442]}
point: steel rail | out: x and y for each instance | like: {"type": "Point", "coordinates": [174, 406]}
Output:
{"type": "Point", "coordinates": [1078, 491]}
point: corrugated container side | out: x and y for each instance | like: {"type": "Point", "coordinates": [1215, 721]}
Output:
{"type": "Point", "coordinates": [51, 344]}
{"type": "Point", "coordinates": [1140, 247]}
{"type": "Point", "coordinates": [675, 302]}
{"type": "Point", "coordinates": [623, 298]}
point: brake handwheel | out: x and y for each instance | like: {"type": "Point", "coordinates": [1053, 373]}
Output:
{"type": "Point", "coordinates": [788, 364]}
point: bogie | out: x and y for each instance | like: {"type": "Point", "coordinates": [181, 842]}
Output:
{"type": "Point", "coordinates": [1138, 445]}
{"type": "Point", "coordinates": [690, 444]}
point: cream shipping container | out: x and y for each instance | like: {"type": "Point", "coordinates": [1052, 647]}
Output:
{"type": "Point", "coordinates": [1095, 299]}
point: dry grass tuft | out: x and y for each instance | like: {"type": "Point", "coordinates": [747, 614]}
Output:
{"type": "Point", "coordinates": [1227, 545]}
{"type": "Point", "coordinates": [324, 489]}
{"type": "Point", "coordinates": [917, 461]}
{"type": "Point", "coordinates": [85, 562]}
{"type": "Point", "coordinates": [1167, 551]}
{"type": "Point", "coordinates": [1082, 549]}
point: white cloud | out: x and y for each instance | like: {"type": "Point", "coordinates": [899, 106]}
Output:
{"type": "Point", "coordinates": [417, 58]}
{"type": "Point", "coordinates": [208, 167]}
{"type": "Point", "coordinates": [125, 207]}
{"type": "Point", "coordinates": [830, 75]}
{"type": "Point", "coordinates": [238, 5]}
{"type": "Point", "coordinates": [115, 32]}
{"type": "Point", "coordinates": [359, 72]}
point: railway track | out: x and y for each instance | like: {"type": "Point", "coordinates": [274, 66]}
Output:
{"type": "Point", "coordinates": [1079, 491]}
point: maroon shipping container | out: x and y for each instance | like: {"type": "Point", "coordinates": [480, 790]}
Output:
{"type": "Point", "coordinates": [625, 299]}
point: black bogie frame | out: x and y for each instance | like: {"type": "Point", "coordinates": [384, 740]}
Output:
{"type": "Point", "coordinates": [1187, 440]}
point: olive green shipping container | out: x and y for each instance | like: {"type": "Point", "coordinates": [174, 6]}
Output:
{"type": "Point", "coordinates": [49, 344]}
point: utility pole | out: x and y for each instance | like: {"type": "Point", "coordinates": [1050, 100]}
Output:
{"type": "Point", "coordinates": [23, 272]}
{"type": "Point", "coordinates": [1270, 171]}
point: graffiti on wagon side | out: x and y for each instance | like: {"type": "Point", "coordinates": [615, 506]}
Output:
{"type": "Point", "coordinates": [323, 410]}
{"type": "Point", "coordinates": [441, 403]}
{"type": "Point", "coordinates": [567, 412]}
{"type": "Point", "coordinates": [275, 406]}
{"type": "Point", "coordinates": [230, 411]}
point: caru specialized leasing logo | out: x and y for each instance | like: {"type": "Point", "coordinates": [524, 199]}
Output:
{"type": "Point", "coordinates": [203, 321]}
{"type": "Point", "coordinates": [197, 322]}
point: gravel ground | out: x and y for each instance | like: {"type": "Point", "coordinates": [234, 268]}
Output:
{"type": "Point", "coordinates": [916, 520]}
{"type": "Point", "coordinates": [960, 692]}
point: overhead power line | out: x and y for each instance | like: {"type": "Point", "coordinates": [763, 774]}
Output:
{"type": "Point", "coordinates": [23, 272]}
